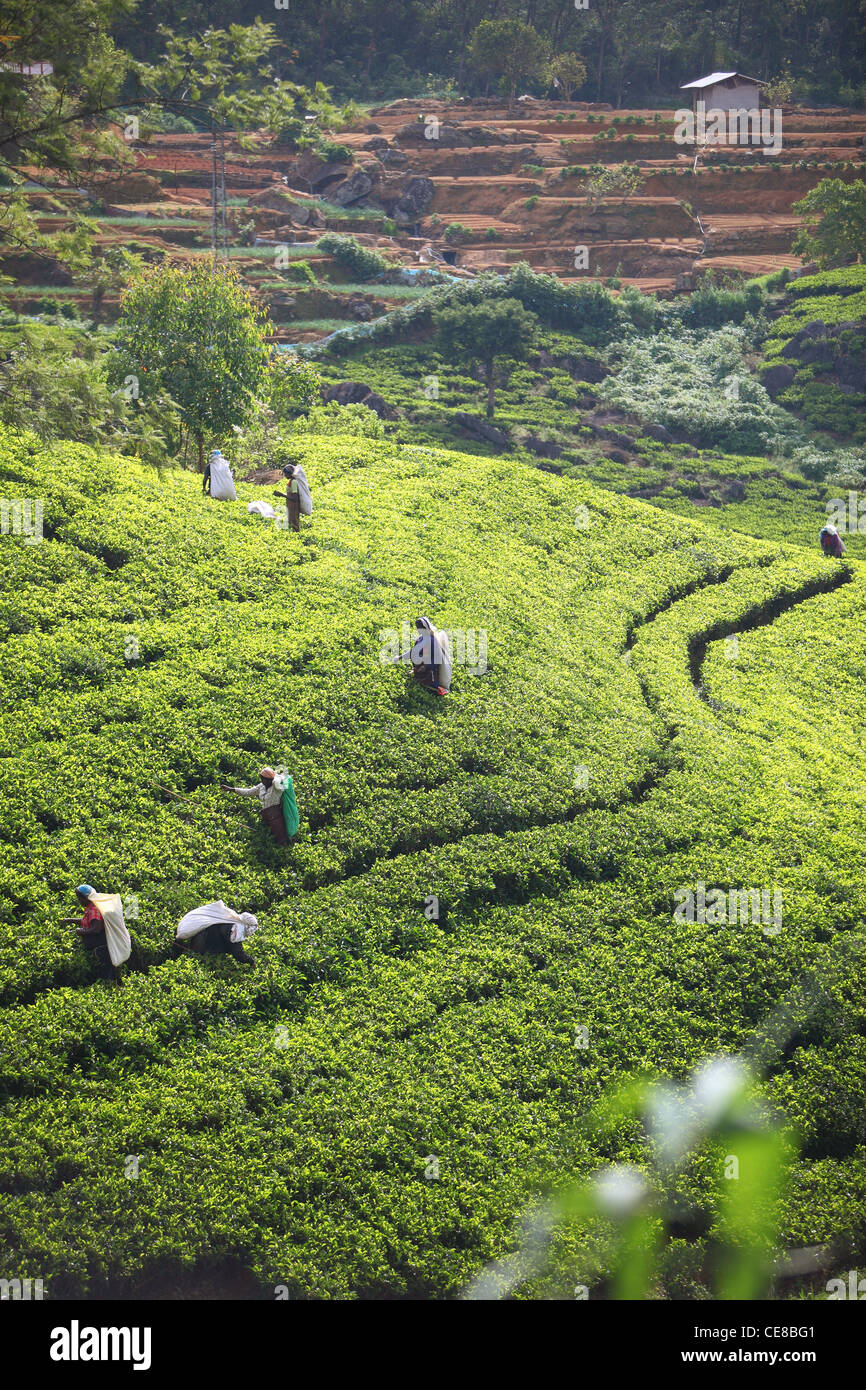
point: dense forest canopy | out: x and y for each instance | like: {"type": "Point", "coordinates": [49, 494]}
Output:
{"type": "Point", "coordinates": [636, 52]}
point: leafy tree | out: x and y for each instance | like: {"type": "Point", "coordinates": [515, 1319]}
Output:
{"type": "Point", "coordinates": [606, 180]}
{"type": "Point", "coordinates": [838, 236]}
{"type": "Point", "coordinates": [482, 332]}
{"type": "Point", "coordinates": [569, 69]}
{"type": "Point", "coordinates": [56, 383]}
{"type": "Point", "coordinates": [195, 332]}
{"type": "Point", "coordinates": [778, 91]}
{"type": "Point", "coordinates": [509, 49]}
{"type": "Point", "coordinates": [111, 269]}
{"type": "Point", "coordinates": [293, 385]}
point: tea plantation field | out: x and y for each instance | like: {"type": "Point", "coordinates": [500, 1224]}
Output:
{"type": "Point", "coordinates": [477, 882]}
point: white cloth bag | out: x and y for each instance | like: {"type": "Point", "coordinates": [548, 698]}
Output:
{"type": "Point", "coordinates": [243, 923]}
{"type": "Point", "coordinates": [222, 487]}
{"type": "Point", "coordinates": [202, 917]}
{"type": "Point", "coordinates": [262, 509]}
{"type": "Point", "coordinates": [303, 488]}
{"type": "Point", "coordinates": [116, 935]}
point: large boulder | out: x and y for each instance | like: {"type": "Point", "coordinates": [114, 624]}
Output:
{"type": "Point", "coordinates": [545, 448]}
{"type": "Point", "coordinates": [133, 188]}
{"type": "Point", "coordinates": [376, 402]}
{"type": "Point", "coordinates": [358, 393]}
{"type": "Point", "coordinates": [659, 432]}
{"type": "Point", "coordinates": [348, 392]}
{"type": "Point", "coordinates": [777, 379]}
{"type": "Point", "coordinates": [799, 344]}
{"type": "Point", "coordinates": [311, 173]}
{"type": "Point", "coordinates": [481, 429]}
{"type": "Point", "coordinates": [356, 186]}
{"type": "Point", "coordinates": [414, 200]}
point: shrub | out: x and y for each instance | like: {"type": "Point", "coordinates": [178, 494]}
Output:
{"type": "Point", "coordinates": [362, 261]}
{"type": "Point", "coordinates": [332, 418]}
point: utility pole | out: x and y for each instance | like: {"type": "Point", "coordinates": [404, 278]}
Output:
{"type": "Point", "coordinates": [213, 234]}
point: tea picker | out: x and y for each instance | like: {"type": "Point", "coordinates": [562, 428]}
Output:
{"type": "Point", "coordinates": [279, 806]}
{"type": "Point", "coordinates": [216, 929]}
{"type": "Point", "coordinates": [831, 541]}
{"type": "Point", "coordinates": [102, 930]}
{"type": "Point", "coordinates": [430, 656]}
{"type": "Point", "coordinates": [297, 495]}
{"type": "Point", "coordinates": [217, 478]}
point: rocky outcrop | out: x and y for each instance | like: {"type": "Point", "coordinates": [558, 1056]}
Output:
{"type": "Point", "coordinates": [481, 429]}
{"type": "Point", "coordinates": [777, 379]}
{"type": "Point", "coordinates": [311, 173]}
{"type": "Point", "coordinates": [415, 199]}
{"type": "Point", "coordinates": [359, 183]}
{"type": "Point", "coordinates": [358, 393]}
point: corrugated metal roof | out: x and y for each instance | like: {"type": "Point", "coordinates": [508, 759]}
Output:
{"type": "Point", "coordinates": [715, 77]}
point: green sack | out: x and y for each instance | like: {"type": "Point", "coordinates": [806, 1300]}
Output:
{"type": "Point", "coordinates": [291, 814]}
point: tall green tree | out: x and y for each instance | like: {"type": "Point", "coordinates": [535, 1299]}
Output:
{"type": "Point", "coordinates": [512, 50]}
{"type": "Point", "coordinates": [484, 332]}
{"type": "Point", "coordinates": [569, 69]}
{"type": "Point", "coordinates": [836, 230]}
{"type": "Point", "coordinates": [195, 332]}
{"type": "Point", "coordinates": [61, 127]}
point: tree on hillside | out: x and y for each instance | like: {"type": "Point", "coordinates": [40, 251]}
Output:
{"type": "Point", "coordinates": [509, 49]}
{"type": "Point", "coordinates": [195, 332]}
{"type": "Point", "coordinates": [64, 128]}
{"type": "Point", "coordinates": [110, 270]}
{"type": "Point", "coordinates": [836, 229]}
{"type": "Point", "coordinates": [482, 332]}
{"type": "Point", "coordinates": [606, 180]}
{"type": "Point", "coordinates": [569, 69]}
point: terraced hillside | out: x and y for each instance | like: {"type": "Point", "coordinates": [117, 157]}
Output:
{"type": "Point", "coordinates": [462, 187]}
{"type": "Point", "coordinates": [614, 744]}
{"type": "Point", "coordinates": [514, 184]}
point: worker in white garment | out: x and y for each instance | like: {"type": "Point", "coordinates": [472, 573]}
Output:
{"type": "Point", "coordinates": [217, 478]}
{"type": "Point", "coordinates": [269, 789]}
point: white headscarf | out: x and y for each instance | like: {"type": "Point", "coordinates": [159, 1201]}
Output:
{"type": "Point", "coordinates": [244, 927]}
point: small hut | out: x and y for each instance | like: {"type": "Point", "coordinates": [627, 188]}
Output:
{"type": "Point", "coordinates": [725, 91]}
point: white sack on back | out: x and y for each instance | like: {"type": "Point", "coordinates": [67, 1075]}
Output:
{"type": "Point", "coordinates": [244, 927]}
{"type": "Point", "coordinates": [116, 935]}
{"type": "Point", "coordinates": [222, 488]}
{"type": "Point", "coordinates": [202, 917]}
{"type": "Point", "coordinates": [303, 488]}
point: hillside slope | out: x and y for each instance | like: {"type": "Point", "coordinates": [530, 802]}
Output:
{"type": "Point", "coordinates": [615, 744]}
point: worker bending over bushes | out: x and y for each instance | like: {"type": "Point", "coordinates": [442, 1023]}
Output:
{"type": "Point", "coordinates": [102, 931]}
{"type": "Point", "coordinates": [430, 655]}
{"type": "Point", "coordinates": [215, 929]}
{"type": "Point", "coordinates": [276, 793]}
{"type": "Point", "coordinates": [831, 541]}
